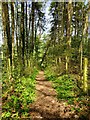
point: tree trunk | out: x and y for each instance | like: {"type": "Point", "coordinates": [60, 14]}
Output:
{"type": "Point", "coordinates": [17, 24]}
{"type": "Point", "coordinates": [22, 33]}
{"type": "Point", "coordinates": [26, 37]}
{"type": "Point", "coordinates": [85, 75]}
{"type": "Point", "coordinates": [12, 14]}
{"type": "Point", "coordinates": [81, 56]}
{"type": "Point", "coordinates": [7, 37]}
{"type": "Point", "coordinates": [33, 15]}
{"type": "Point", "coordinates": [69, 10]}
{"type": "Point", "coordinates": [5, 51]}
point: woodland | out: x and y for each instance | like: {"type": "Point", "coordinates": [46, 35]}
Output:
{"type": "Point", "coordinates": [45, 60]}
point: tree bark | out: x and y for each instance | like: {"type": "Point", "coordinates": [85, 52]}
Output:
{"type": "Point", "coordinates": [69, 18]}
{"type": "Point", "coordinates": [12, 14]}
{"type": "Point", "coordinates": [22, 33]}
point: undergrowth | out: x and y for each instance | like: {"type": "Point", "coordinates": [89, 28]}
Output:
{"type": "Point", "coordinates": [68, 91]}
{"type": "Point", "coordinates": [17, 94]}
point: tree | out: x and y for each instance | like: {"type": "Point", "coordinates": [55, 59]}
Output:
{"type": "Point", "coordinates": [22, 33]}
{"type": "Point", "coordinates": [12, 13]}
{"type": "Point", "coordinates": [85, 71]}
{"type": "Point", "coordinates": [7, 37]}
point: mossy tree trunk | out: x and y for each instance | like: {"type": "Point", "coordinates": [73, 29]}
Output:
{"type": "Point", "coordinates": [85, 75]}
{"type": "Point", "coordinates": [69, 33]}
{"type": "Point", "coordinates": [85, 71]}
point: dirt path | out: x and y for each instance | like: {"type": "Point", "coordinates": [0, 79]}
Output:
{"type": "Point", "coordinates": [46, 106]}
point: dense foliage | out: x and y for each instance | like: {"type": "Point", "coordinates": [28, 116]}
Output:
{"type": "Point", "coordinates": [17, 95]}
{"type": "Point", "coordinates": [68, 92]}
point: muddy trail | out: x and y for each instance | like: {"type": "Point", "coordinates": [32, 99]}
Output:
{"type": "Point", "coordinates": [47, 106]}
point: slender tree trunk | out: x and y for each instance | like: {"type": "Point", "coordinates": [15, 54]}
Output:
{"type": "Point", "coordinates": [9, 42]}
{"type": "Point", "coordinates": [36, 56]}
{"type": "Point", "coordinates": [29, 34]}
{"type": "Point", "coordinates": [45, 53]}
{"type": "Point", "coordinates": [89, 50]}
{"type": "Point", "coordinates": [5, 48]}
{"type": "Point", "coordinates": [85, 75]}
{"type": "Point", "coordinates": [22, 33]}
{"type": "Point", "coordinates": [69, 9]}
{"type": "Point", "coordinates": [81, 56]}
{"type": "Point", "coordinates": [75, 21]}
{"type": "Point", "coordinates": [12, 13]}
{"type": "Point", "coordinates": [17, 24]}
{"type": "Point", "coordinates": [29, 21]}
{"type": "Point", "coordinates": [26, 37]}
{"type": "Point", "coordinates": [60, 29]}
{"type": "Point", "coordinates": [33, 15]}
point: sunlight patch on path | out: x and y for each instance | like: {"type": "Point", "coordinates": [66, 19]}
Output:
{"type": "Point", "coordinates": [46, 105]}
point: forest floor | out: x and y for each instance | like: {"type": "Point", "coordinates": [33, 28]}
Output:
{"type": "Point", "coordinates": [47, 106]}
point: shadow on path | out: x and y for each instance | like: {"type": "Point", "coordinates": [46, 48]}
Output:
{"type": "Point", "coordinates": [46, 106]}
